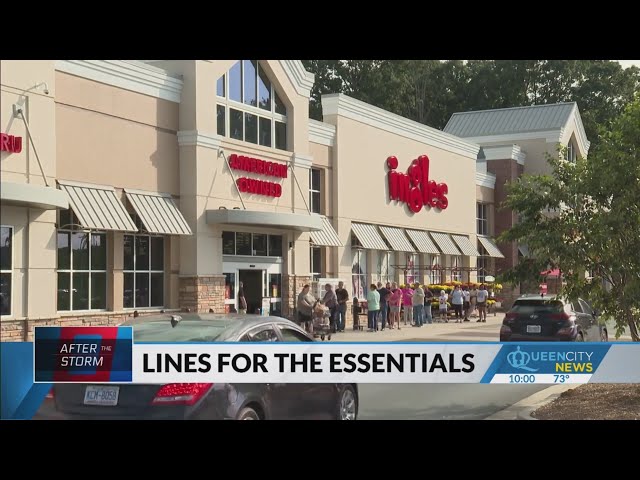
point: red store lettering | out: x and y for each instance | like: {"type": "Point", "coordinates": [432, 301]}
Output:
{"type": "Point", "coordinates": [415, 188]}
{"type": "Point", "coordinates": [10, 143]}
{"type": "Point", "coordinates": [259, 187]}
{"type": "Point", "coordinates": [254, 165]}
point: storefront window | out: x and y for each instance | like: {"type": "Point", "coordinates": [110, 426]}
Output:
{"type": "Point", "coordinates": [482, 218]}
{"type": "Point", "coordinates": [251, 244]}
{"type": "Point", "coordinates": [456, 264]}
{"type": "Point", "coordinates": [483, 263]}
{"type": "Point", "coordinates": [359, 274]}
{"type": "Point", "coordinates": [256, 114]}
{"type": "Point", "coordinates": [413, 269]}
{"type": "Point", "coordinates": [275, 292]}
{"type": "Point", "coordinates": [82, 266]}
{"type": "Point", "coordinates": [6, 269]}
{"type": "Point", "coordinates": [435, 274]}
{"type": "Point", "coordinates": [314, 190]}
{"type": "Point", "coordinates": [385, 267]}
{"type": "Point", "coordinates": [143, 271]}
{"type": "Point", "coordinates": [316, 263]}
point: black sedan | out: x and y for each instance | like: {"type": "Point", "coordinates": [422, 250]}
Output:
{"type": "Point", "coordinates": [204, 401]}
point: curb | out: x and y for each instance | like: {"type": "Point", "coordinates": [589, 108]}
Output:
{"type": "Point", "coordinates": [524, 408]}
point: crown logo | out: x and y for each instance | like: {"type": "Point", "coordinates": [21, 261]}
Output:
{"type": "Point", "coordinates": [520, 360]}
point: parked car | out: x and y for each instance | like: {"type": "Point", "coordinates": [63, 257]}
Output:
{"type": "Point", "coordinates": [200, 401]}
{"type": "Point", "coordinates": [552, 318]}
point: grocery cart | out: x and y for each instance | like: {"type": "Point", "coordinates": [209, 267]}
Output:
{"type": "Point", "coordinates": [322, 321]}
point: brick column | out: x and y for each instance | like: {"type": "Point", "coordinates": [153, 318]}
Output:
{"type": "Point", "coordinates": [201, 293]}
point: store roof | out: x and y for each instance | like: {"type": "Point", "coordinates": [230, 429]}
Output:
{"type": "Point", "coordinates": [510, 120]}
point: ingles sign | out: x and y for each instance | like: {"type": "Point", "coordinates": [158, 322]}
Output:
{"type": "Point", "coordinates": [415, 188]}
{"type": "Point", "coordinates": [9, 143]}
{"type": "Point", "coordinates": [261, 167]}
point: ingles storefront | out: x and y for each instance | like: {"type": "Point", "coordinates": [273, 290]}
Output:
{"type": "Point", "coordinates": [158, 186]}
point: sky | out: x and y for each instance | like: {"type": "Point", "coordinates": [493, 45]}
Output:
{"type": "Point", "coordinates": [628, 63]}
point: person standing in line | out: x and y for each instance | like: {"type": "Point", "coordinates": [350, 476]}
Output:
{"type": "Point", "coordinates": [242, 300]}
{"type": "Point", "coordinates": [373, 305]}
{"type": "Point", "coordinates": [457, 300]}
{"type": "Point", "coordinates": [305, 305]}
{"type": "Point", "coordinates": [384, 298]}
{"type": "Point", "coordinates": [483, 295]}
{"type": "Point", "coordinates": [407, 304]}
{"type": "Point", "coordinates": [394, 305]}
{"type": "Point", "coordinates": [474, 300]}
{"type": "Point", "coordinates": [331, 302]}
{"type": "Point", "coordinates": [428, 296]}
{"type": "Point", "coordinates": [442, 304]}
{"type": "Point", "coordinates": [417, 300]}
{"type": "Point", "coordinates": [466, 296]}
{"type": "Point", "coordinates": [343, 297]}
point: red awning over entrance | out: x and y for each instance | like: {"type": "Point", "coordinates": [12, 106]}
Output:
{"type": "Point", "coordinates": [551, 273]}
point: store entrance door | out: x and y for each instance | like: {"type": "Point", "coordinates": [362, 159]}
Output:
{"type": "Point", "coordinates": [253, 288]}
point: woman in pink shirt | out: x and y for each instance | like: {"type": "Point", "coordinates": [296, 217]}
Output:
{"type": "Point", "coordinates": [407, 304]}
{"type": "Point", "coordinates": [394, 304]}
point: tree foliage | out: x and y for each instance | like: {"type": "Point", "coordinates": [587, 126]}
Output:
{"type": "Point", "coordinates": [586, 218]}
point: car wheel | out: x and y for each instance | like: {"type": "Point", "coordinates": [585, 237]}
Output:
{"type": "Point", "coordinates": [347, 404]}
{"type": "Point", "coordinates": [248, 413]}
{"type": "Point", "coordinates": [579, 337]}
{"type": "Point", "coordinates": [604, 336]}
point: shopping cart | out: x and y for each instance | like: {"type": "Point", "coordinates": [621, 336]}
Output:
{"type": "Point", "coordinates": [322, 321]}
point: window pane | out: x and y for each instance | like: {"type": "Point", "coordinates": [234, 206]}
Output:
{"type": "Point", "coordinates": [315, 179]}
{"type": "Point", "coordinates": [235, 83]}
{"type": "Point", "coordinates": [264, 132]}
{"type": "Point", "coordinates": [64, 294]}
{"type": "Point", "coordinates": [275, 285]}
{"type": "Point", "coordinates": [281, 135]}
{"type": "Point", "coordinates": [235, 124]}
{"type": "Point", "coordinates": [157, 289]}
{"type": "Point", "coordinates": [142, 290]}
{"type": "Point", "coordinates": [243, 243]}
{"type": "Point", "coordinates": [264, 90]}
{"type": "Point", "coordinates": [98, 251]}
{"type": "Point", "coordinates": [220, 87]}
{"type": "Point", "coordinates": [229, 286]}
{"type": "Point", "coordinates": [64, 255]}
{"type": "Point", "coordinates": [250, 82]}
{"type": "Point", "coordinates": [128, 252]}
{"type": "Point", "coordinates": [5, 248]}
{"type": "Point", "coordinates": [250, 128]}
{"type": "Point", "coordinates": [228, 243]}
{"type": "Point", "coordinates": [99, 290]}
{"type": "Point", "coordinates": [221, 125]}
{"type": "Point", "coordinates": [80, 292]}
{"type": "Point", "coordinates": [5, 293]}
{"type": "Point", "coordinates": [142, 253]}
{"type": "Point", "coordinates": [157, 253]}
{"type": "Point", "coordinates": [260, 244]}
{"type": "Point", "coordinates": [80, 246]}
{"type": "Point", "coordinates": [275, 245]}
{"type": "Point", "coordinates": [289, 335]}
{"type": "Point", "coordinates": [127, 299]}
{"type": "Point", "coordinates": [316, 260]}
{"type": "Point", "coordinates": [65, 219]}
{"type": "Point", "coordinates": [315, 202]}
{"type": "Point", "coordinates": [280, 108]}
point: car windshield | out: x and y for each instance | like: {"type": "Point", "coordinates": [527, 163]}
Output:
{"type": "Point", "coordinates": [184, 331]}
{"type": "Point", "coordinates": [525, 307]}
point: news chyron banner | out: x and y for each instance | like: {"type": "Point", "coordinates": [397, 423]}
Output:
{"type": "Point", "coordinates": [109, 355]}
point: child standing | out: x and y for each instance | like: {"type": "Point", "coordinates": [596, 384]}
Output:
{"type": "Point", "coordinates": [442, 303]}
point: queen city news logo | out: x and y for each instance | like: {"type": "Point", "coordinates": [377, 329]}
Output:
{"type": "Point", "coordinates": [546, 359]}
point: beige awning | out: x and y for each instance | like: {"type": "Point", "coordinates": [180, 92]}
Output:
{"type": "Point", "coordinates": [327, 237]}
{"type": "Point", "coordinates": [369, 236]}
{"type": "Point", "coordinates": [445, 244]}
{"type": "Point", "coordinates": [97, 206]}
{"type": "Point", "coordinates": [465, 245]}
{"type": "Point", "coordinates": [491, 247]}
{"type": "Point", "coordinates": [524, 250]}
{"type": "Point", "coordinates": [422, 240]}
{"type": "Point", "coordinates": [397, 239]}
{"type": "Point", "coordinates": [158, 212]}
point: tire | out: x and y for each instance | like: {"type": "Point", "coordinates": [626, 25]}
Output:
{"type": "Point", "coordinates": [347, 407]}
{"type": "Point", "coordinates": [248, 413]}
{"type": "Point", "coordinates": [604, 336]}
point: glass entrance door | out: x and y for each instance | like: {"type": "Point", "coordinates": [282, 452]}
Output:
{"type": "Point", "coordinates": [259, 281]}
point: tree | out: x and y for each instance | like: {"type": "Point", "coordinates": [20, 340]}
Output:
{"type": "Point", "coordinates": [586, 218]}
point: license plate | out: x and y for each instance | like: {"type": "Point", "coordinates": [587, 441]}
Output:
{"type": "Point", "coordinates": [97, 395]}
{"type": "Point", "coordinates": [533, 329]}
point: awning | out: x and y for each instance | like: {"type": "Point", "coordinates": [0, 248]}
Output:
{"type": "Point", "coordinates": [397, 239]}
{"type": "Point", "coordinates": [369, 236]}
{"type": "Point", "coordinates": [445, 244]}
{"type": "Point", "coordinates": [33, 195]}
{"type": "Point", "coordinates": [524, 250]}
{"type": "Point", "coordinates": [293, 221]}
{"type": "Point", "coordinates": [466, 246]}
{"type": "Point", "coordinates": [158, 212]}
{"type": "Point", "coordinates": [97, 206]}
{"type": "Point", "coordinates": [491, 247]}
{"type": "Point", "coordinates": [326, 237]}
{"type": "Point", "coordinates": [555, 273]}
{"type": "Point", "coordinates": [422, 240]}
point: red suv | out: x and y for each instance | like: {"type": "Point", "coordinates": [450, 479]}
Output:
{"type": "Point", "coordinates": [542, 318]}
